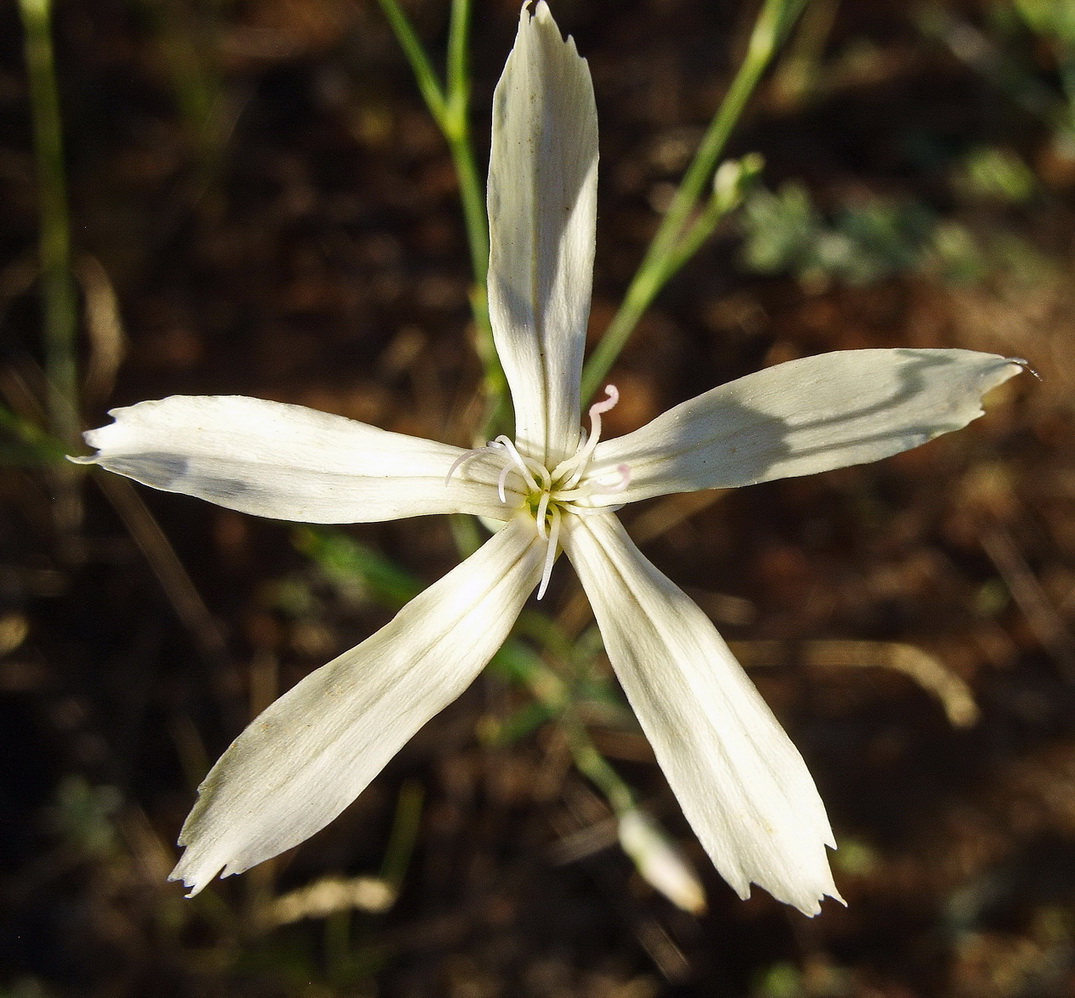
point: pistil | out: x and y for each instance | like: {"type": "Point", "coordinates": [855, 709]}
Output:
{"type": "Point", "coordinates": [549, 495]}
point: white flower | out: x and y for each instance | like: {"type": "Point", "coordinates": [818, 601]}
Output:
{"type": "Point", "coordinates": [739, 779]}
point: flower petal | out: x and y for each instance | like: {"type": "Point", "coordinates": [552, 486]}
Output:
{"type": "Point", "coordinates": [292, 463]}
{"type": "Point", "coordinates": [542, 209]}
{"type": "Point", "coordinates": [741, 783]}
{"type": "Point", "coordinates": [803, 417]}
{"type": "Point", "coordinates": [310, 754]}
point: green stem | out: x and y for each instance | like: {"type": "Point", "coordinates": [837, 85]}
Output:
{"type": "Point", "coordinates": [456, 128]}
{"type": "Point", "coordinates": [27, 443]}
{"type": "Point", "coordinates": [404, 835]}
{"type": "Point", "coordinates": [428, 84]}
{"type": "Point", "coordinates": [455, 123]}
{"type": "Point", "coordinates": [449, 104]}
{"type": "Point", "coordinates": [557, 697]}
{"type": "Point", "coordinates": [742, 174]}
{"type": "Point", "coordinates": [58, 299]}
{"type": "Point", "coordinates": [662, 259]}
{"type": "Point", "coordinates": [472, 194]}
{"type": "Point", "coordinates": [596, 768]}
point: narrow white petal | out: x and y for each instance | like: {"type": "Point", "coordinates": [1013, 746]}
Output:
{"type": "Point", "coordinates": [310, 754]}
{"type": "Point", "coordinates": [803, 417]}
{"type": "Point", "coordinates": [741, 783]}
{"type": "Point", "coordinates": [542, 206]}
{"type": "Point", "coordinates": [291, 463]}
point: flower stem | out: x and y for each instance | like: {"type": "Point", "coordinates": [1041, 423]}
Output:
{"type": "Point", "coordinates": [449, 104]}
{"type": "Point", "coordinates": [456, 127]}
{"type": "Point", "coordinates": [558, 697]}
{"type": "Point", "coordinates": [58, 300]}
{"type": "Point", "coordinates": [430, 86]}
{"type": "Point", "coordinates": [665, 256]}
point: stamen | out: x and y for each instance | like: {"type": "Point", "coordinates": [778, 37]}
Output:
{"type": "Point", "coordinates": [581, 457]}
{"type": "Point", "coordinates": [624, 471]}
{"type": "Point", "coordinates": [542, 512]}
{"type": "Point", "coordinates": [593, 487]}
{"type": "Point", "coordinates": [518, 459]}
{"type": "Point", "coordinates": [612, 396]}
{"type": "Point", "coordinates": [570, 495]}
{"type": "Point", "coordinates": [550, 552]}
{"type": "Point", "coordinates": [549, 495]}
{"type": "Point", "coordinates": [502, 481]}
{"type": "Point", "coordinates": [469, 456]}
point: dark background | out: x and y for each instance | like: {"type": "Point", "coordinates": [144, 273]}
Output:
{"type": "Point", "coordinates": [261, 205]}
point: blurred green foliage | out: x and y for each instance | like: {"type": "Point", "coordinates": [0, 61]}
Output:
{"type": "Point", "coordinates": [872, 238]}
{"type": "Point", "coordinates": [83, 817]}
{"type": "Point", "coordinates": [785, 232]}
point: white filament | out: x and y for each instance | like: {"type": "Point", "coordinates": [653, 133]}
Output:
{"type": "Point", "coordinates": [550, 551]}
{"type": "Point", "coordinates": [581, 458]}
{"type": "Point", "coordinates": [550, 494]}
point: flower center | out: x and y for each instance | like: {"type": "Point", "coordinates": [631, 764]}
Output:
{"type": "Point", "coordinates": [549, 495]}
